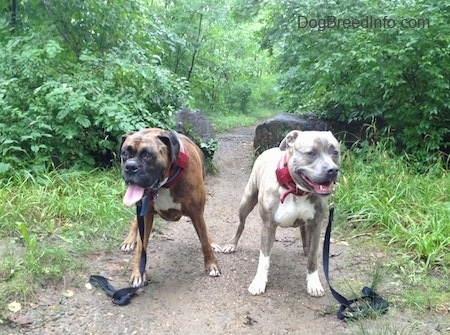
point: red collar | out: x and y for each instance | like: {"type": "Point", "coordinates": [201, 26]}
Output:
{"type": "Point", "coordinates": [177, 169]}
{"type": "Point", "coordinates": [285, 180]}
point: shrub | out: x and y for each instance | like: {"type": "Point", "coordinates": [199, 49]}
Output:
{"type": "Point", "coordinates": [55, 112]}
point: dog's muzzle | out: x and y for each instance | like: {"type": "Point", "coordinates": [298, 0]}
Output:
{"type": "Point", "coordinates": [139, 180]}
{"type": "Point", "coordinates": [322, 186]}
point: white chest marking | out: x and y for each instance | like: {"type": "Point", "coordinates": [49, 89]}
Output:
{"type": "Point", "coordinates": [164, 201]}
{"type": "Point", "coordinates": [293, 208]}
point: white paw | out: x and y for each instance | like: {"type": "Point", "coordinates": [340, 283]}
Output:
{"type": "Point", "coordinates": [126, 247]}
{"type": "Point", "coordinates": [258, 285]}
{"type": "Point", "coordinates": [214, 272]}
{"type": "Point", "coordinates": [216, 248]}
{"type": "Point", "coordinates": [229, 248]}
{"type": "Point", "coordinates": [137, 281]}
{"type": "Point", "coordinates": [313, 285]}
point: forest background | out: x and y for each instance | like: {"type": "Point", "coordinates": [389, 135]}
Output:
{"type": "Point", "coordinates": [76, 75]}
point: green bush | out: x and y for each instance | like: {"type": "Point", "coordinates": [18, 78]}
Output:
{"type": "Point", "coordinates": [76, 75]}
{"type": "Point", "coordinates": [55, 112]}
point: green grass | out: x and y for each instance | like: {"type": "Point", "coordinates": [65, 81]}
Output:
{"type": "Point", "coordinates": [50, 222]}
{"type": "Point", "coordinates": [407, 214]}
{"type": "Point", "coordinates": [47, 224]}
{"type": "Point", "coordinates": [224, 123]}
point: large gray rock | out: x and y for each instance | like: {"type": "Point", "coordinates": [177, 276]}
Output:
{"type": "Point", "coordinates": [270, 133]}
{"type": "Point", "coordinates": [195, 125]}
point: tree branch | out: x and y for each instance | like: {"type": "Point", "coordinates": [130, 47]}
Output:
{"type": "Point", "coordinates": [63, 34]}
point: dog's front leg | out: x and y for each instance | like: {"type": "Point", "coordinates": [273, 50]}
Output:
{"type": "Point", "coordinates": [313, 284]}
{"type": "Point", "coordinates": [138, 279]}
{"type": "Point", "coordinates": [258, 285]}
{"type": "Point", "coordinates": [130, 242]}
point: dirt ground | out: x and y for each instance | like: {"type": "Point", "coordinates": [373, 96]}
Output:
{"type": "Point", "coordinates": [181, 299]}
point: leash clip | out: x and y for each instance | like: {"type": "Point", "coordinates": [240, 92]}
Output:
{"type": "Point", "coordinates": [333, 192]}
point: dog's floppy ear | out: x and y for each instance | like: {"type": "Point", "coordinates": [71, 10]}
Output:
{"type": "Point", "coordinates": [170, 139]}
{"type": "Point", "coordinates": [289, 140]}
{"type": "Point", "coordinates": [124, 137]}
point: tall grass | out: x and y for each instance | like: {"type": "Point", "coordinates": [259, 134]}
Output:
{"type": "Point", "coordinates": [411, 211]}
{"type": "Point", "coordinates": [48, 222]}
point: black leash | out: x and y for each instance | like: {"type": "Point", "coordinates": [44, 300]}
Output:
{"type": "Point", "coordinates": [119, 297]}
{"type": "Point", "coordinates": [369, 304]}
{"type": "Point", "coordinates": [123, 296]}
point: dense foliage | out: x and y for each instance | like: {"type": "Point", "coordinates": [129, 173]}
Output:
{"type": "Point", "coordinates": [392, 66]}
{"type": "Point", "coordinates": [76, 75]}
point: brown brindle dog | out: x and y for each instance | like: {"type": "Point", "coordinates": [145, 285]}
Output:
{"type": "Point", "coordinates": [169, 168]}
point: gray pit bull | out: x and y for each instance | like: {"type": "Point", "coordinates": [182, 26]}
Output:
{"type": "Point", "coordinates": [291, 184]}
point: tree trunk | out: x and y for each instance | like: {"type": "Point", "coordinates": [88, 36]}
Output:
{"type": "Point", "coordinates": [196, 47]}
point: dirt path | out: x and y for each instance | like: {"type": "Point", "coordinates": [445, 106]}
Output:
{"type": "Point", "coordinates": [182, 299]}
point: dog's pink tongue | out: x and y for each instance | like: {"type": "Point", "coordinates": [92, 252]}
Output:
{"type": "Point", "coordinates": [133, 194]}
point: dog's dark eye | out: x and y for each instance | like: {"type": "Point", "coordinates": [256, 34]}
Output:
{"type": "Point", "coordinates": [147, 155]}
{"type": "Point", "coordinates": [124, 155]}
{"type": "Point", "coordinates": [336, 153]}
{"type": "Point", "coordinates": [311, 153]}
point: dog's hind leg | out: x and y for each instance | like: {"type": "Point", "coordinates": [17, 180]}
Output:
{"type": "Point", "coordinates": [248, 202]}
{"type": "Point", "coordinates": [306, 238]}
{"type": "Point", "coordinates": [205, 240]}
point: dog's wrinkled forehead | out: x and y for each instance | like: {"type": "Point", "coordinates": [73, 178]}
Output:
{"type": "Point", "coordinates": [307, 140]}
{"type": "Point", "coordinates": [141, 139]}
{"type": "Point", "coordinates": [138, 140]}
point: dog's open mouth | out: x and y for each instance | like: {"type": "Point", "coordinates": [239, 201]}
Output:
{"type": "Point", "coordinates": [323, 188]}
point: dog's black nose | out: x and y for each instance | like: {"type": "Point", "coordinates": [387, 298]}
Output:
{"type": "Point", "coordinates": [131, 167]}
{"type": "Point", "coordinates": [332, 172]}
